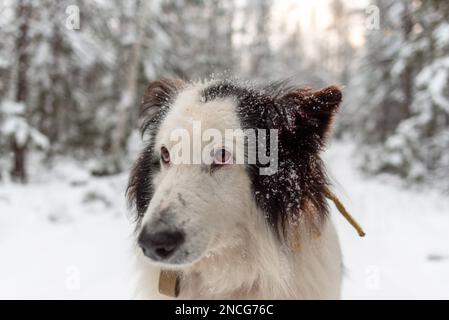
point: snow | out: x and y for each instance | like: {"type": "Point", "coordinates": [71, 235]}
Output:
{"type": "Point", "coordinates": [67, 235]}
{"type": "Point", "coordinates": [404, 254]}
{"type": "Point", "coordinates": [442, 35]}
{"type": "Point", "coordinates": [438, 87]}
{"type": "Point", "coordinates": [16, 125]}
{"type": "Point", "coordinates": [12, 107]}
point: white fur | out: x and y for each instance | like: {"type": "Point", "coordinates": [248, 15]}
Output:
{"type": "Point", "coordinates": [230, 251]}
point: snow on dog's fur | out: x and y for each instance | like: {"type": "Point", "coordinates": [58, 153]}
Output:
{"type": "Point", "coordinates": [232, 232]}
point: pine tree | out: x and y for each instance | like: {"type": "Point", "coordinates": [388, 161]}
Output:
{"type": "Point", "coordinates": [398, 96]}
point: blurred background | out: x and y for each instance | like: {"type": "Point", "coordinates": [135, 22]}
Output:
{"type": "Point", "coordinates": [71, 77]}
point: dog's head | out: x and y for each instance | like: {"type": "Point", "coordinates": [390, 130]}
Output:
{"type": "Point", "coordinates": [201, 176]}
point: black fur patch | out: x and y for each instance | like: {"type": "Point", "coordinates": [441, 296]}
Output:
{"type": "Point", "coordinates": [155, 103]}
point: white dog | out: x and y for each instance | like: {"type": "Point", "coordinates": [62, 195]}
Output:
{"type": "Point", "coordinates": [226, 229]}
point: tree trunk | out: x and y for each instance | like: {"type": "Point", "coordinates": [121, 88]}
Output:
{"type": "Point", "coordinates": [19, 173]}
{"type": "Point", "coordinates": [56, 121]}
{"type": "Point", "coordinates": [407, 76]}
{"type": "Point", "coordinates": [18, 147]}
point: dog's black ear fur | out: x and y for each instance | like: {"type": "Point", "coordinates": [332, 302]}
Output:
{"type": "Point", "coordinates": [312, 113]}
{"type": "Point", "coordinates": [156, 101]}
{"type": "Point", "coordinates": [302, 118]}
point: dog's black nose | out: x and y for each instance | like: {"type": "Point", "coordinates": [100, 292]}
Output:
{"type": "Point", "coordinates": [160, 245]}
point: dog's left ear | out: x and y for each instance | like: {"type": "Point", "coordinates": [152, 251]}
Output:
{"type": "Point", "coordinates": [157, 99]}
{"type": "Point", "coordinates": [313, 111]}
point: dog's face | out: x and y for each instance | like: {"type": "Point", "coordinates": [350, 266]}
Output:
{"type": "Point", "coordinates": [192, 195]}
{"type": "Point", "coordinates": [193, 203]}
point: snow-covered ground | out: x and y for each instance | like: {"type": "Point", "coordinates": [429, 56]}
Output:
{"type": "Point", "coordinates": [405, 254]}
{"type": "Point", "coordinates": [67, 235]}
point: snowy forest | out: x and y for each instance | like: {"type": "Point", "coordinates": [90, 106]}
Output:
{"type": "Point", "coordinates": [72, 73]}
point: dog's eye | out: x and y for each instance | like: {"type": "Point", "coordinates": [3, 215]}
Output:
{"type": "Point", "coordinates": [165, 155]}
{"type": "Point", "coordinates": [222, 157]}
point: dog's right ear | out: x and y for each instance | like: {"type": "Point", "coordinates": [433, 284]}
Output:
{"type": "Point", "coordinates": [157, 99]}
{"type": "Point", "coordinates": [311, 113]}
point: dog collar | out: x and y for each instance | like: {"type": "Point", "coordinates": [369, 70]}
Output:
{"type": "Point", "coordinates": [169, 280]}
{"type": "Point", "coordinates": [169, 283]}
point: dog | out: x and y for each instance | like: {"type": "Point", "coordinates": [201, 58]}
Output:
{"type": "Point", "coordinates": [230, 230]}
